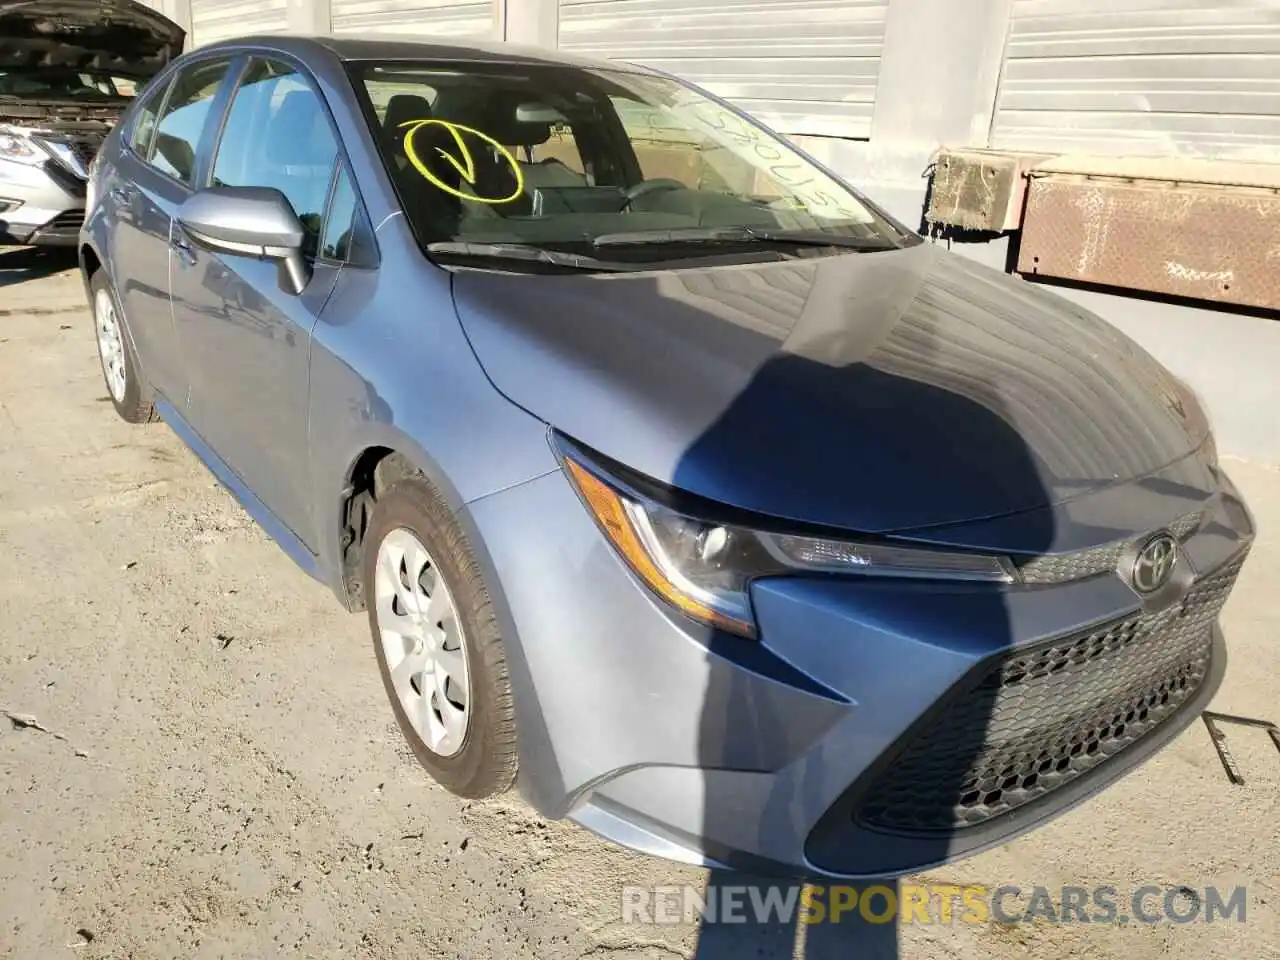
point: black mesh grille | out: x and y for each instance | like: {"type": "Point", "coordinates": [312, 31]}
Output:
{"type": "Point", "coordinates": [1043, 716]}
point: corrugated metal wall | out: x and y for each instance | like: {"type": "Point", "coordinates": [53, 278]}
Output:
{"type": "Point", "coordinates": [1142, 77]}
{"type": "Point", "coordinates": [801, 66]}
{"type": "Point", "coordinates": [453, 19]}
{"type": "Point", "coordinates": [213, 20]}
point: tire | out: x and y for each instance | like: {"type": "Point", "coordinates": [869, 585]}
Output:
{"type": "Point", "coordinates": [483, 761]}
{"type": "Point", "coordinates": [132, 398]}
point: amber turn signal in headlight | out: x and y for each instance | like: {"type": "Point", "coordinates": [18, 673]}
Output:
{"type": "Point", "coordinates": [634, 538]}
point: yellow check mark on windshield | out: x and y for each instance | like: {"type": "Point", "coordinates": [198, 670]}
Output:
{"type": "Point", "coordinates": [466, 167]}
{"type": "Point", "coordinates": [464, 162]}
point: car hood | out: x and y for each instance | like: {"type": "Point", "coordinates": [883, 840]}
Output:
{"type": "Point", "coordinates": [118, 37]}
{"type": "Point", "coordinates": [873, 392]}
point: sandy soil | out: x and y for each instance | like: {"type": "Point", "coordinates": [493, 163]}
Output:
{"type": "Point", "coordinates": [200, 762]}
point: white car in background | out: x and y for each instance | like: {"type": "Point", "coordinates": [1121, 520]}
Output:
{"type": "Point", "coordinates": [68, 70]}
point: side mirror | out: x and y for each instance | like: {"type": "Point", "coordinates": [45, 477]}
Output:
{"type": "Point", "coordinates": [249, 222]}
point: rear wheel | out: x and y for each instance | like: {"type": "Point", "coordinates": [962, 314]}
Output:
{"type": "Point", "coordinates": [437, 642]}
{"type": "Point", "coordinates": [129, 395]}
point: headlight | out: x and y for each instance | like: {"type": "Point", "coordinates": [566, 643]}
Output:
{"type": "Point", "coordinates": [91, 186]}
{"type": "Point", "coordinates": [18, 148]}
{"type": "Point", "coordinates": [705, 569]}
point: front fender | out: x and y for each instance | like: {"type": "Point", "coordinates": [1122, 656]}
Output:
{"type": "Point", "coordinates": [384, 375]}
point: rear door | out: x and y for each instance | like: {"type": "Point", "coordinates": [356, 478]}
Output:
{"type": "Point", "coordinates": [154, 172]}
{"type": "Point", "coordinates": [247, 339]}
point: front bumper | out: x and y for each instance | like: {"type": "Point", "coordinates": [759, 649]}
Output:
{"type": "Point", "coordinates": [41, 205]}
{"type": "Point", "coordinates": [875, 728]}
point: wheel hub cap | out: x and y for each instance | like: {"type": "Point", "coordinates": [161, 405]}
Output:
{"type": "Point", "coordinates": [110, 346]}
{"type": "Point", "coordinates": [422, 641]}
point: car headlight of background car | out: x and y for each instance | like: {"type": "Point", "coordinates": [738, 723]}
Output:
{"type": "Point", "coordinates": [704, 568]}
{"type": "Point", "coordinates": [91, 185]}
{"type": "Point", "coordinates": [19, 148]}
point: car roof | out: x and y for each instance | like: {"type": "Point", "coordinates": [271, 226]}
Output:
{"type": "Point", "coordinates": [374, 47]}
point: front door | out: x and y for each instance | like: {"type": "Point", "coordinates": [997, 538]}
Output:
{"type": "Point", "coordinates": [247, 339]}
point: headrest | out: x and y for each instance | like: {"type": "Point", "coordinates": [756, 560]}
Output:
{"type": "Point", "coordinates": [511, 132]}
{"type": "Point", "coordinates": [402, 108]}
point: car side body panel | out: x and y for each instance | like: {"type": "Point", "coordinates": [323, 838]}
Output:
{"type": "Point", "coordinates": [427, 399]}
{"type": "Point", "coordinates": [268, 521]}
{"type": "Point", "coordinates": [247, 344]}
{"type": "Point", "coordinates": [141, 201]}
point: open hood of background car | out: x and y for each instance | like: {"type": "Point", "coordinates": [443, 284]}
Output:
{"type": "Point", "coordinates": [116, 37]}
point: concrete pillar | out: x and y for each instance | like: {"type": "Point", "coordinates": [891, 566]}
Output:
{"type": "Point", "coordinates": [939, 71]}
{"type": "Point", "coordinates": [179, 11]}
{"type": "Point", "coordinates": [533, 23]}
{"type": "Point", "coordinates": [939, 74]}
{"type": "Point", "coordinates": [312, 18]}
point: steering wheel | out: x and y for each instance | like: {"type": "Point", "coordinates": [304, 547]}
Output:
{"type": "Point", "coordinates": [646, 187]}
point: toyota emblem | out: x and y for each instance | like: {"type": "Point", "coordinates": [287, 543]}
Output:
{"type": "Point", "coordinates": [1154, 564]}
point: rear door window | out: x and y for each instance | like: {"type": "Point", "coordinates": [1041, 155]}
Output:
{"type": "Point", "coordinates": [178, 132]}
{"type": "Point", "coordinates": [278, 135]}
{"type": "Point", "coordinates": [144, 124]}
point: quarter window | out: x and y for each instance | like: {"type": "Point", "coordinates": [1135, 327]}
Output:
{"type": "Point", "coordinates": [278, 135]}
{"type": "Point", "coordinates": [341, 223]}
{"type": "Point", "coordinates": [178, 133]}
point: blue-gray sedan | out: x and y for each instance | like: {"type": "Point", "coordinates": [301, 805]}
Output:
{"type": "Point", "coordinates": [684, 488]}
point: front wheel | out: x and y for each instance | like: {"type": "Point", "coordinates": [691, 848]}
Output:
{"type": "Point", "coordinates": [437, 642]}
{"type": "Point", "coordinates": [129, 395]}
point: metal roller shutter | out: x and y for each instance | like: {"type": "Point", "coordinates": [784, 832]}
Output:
{"type": "Point", "coordinates": [1142, 77]}
{"type": "Point", "coordinates": [452, 19]}
{"type": "Point", "coordinates": [213, 20]}
{"type": "Point", "coordinates": [801, 66]}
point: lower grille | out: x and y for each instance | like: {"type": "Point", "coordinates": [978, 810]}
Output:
{"type": "Point", "coordinates": [1040, 717]}
{"type": "Point", "coordinates": [67, 220]}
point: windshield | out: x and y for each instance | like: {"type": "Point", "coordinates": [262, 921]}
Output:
{"type": "Point", "coordinates": [63, 85]}
{"type": "Point", "coordinates": [579, 159]}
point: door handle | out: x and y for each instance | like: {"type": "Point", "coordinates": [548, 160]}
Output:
{"type": "Point", "coordinates": [121, 196]}
{"type": "Point", "coordinates": [185, 250]}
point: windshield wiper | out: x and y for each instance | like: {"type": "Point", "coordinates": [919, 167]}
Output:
{"type": "Point", "coordinates": [817, 238]}
{"type": "Point", "coordinates": [641, 238]}
{"type": "Point", "coordinates": [523, 252]}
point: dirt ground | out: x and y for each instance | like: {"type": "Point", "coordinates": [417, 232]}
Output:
{"type": "Point", "coordinates": [198, 760]}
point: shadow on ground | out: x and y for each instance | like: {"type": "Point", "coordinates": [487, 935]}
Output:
{"type": "Point", "coordinates": [20, 264]}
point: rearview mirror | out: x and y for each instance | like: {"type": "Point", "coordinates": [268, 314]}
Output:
{"type": "Point", "coordinates": [249, 222]}
{"type": "Point", "coordinates": [539, 113]}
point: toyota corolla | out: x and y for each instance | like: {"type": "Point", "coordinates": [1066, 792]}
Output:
{"type": "Point", "coordinates": [685, 490]}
